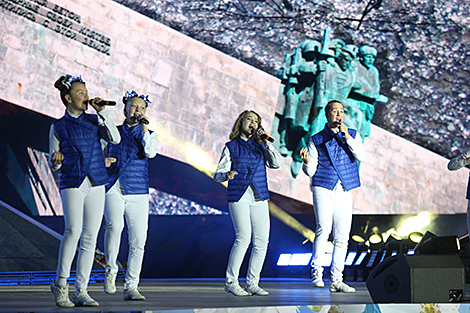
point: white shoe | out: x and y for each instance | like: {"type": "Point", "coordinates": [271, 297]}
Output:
{"type": "Point", "coordinates": [317, 278]}
{"type": "Point", "coordinates": [256, 290]}
{"type": "Point", "coordinates": [84, 299]}
{"type": "Point", "coordinates": [133, 294]}
{"type": "Point", "coordinates": [61, 295]}
{"type": "Point", "coordinates": [235, 289]}
{"type": "Point", "coordinates": [110, 283]}
{"type": "Point", "coordinates": [339, 286]}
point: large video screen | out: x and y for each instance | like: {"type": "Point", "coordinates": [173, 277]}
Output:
{"type": "Point", "coordinates": [196, 92]}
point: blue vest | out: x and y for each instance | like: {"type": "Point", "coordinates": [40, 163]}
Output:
{"type": "Point", "coordinates": [80, 145]}
{"type": "Point", "coordinates": [335, 161]}
{"type": "Point", "coordinates": [248, 161]}
{"type": "Point", "coordinates": [131, 166]}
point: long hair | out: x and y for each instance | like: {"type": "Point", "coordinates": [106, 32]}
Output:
{"type": "Point", "coordinates": [238, 125]}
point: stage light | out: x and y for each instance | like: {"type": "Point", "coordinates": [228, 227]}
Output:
{"type": "Point", "coordinates": [432, 244]}
{"type": "Point", "coordinates": [350, 258]}
{"type": "Point", "coordinates": [375, 239]}
{"type": "Point", "coordinates": [360, 258]}
{"type": "Point", "coordinates": [294, 259]}
{"type": "Point", "coordinates": [284, 259]}
{"type": "Point", "coordinates": [357, 238]}
{"type": "Point", "coordinates": [410, 225]}
{"type": "Point", "coordinates": [371, 259]}
{"type": "Point", "coordinates": [415, 236]}
{"type": "Point", "coordinates": [300, 259]}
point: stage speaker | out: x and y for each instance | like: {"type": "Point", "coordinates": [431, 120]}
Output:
{"type": "Point", "coordinates": [418, 279]}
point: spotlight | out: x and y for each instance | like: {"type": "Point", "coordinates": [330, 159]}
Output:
{"type": "Point", "coordinates": [432, 244]}
{"type": "Point", "coordinates": [357, 238]}
{"type": "Point", "coordinates": [415, 237]}
{"type": "Point", "coordinates": [375, 239]}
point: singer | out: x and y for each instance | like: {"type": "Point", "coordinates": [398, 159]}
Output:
{"type": "Point", "coordinates": [243, 163]}
{"type": "Point", "coordinates": [455, 164]}
{"type": "Point", "coordinates": [74, 150]}
{"type": "Point", "coordinates": [127, 194]}
{"type": "Point", "coordinates": [331, 161]}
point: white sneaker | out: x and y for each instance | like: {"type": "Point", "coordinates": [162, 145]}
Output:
{"type": "Point", "coordinates": [256, 290]}
{"type": "Point", "coordinates": [133, 294]}
{"type": "Point", "coordinates": [235, 289]}
{"type": "Point", "coordinates": [339, 286]}
{"type": "Point", "coordinates": [110, 283]}
{"type": "Point", "coordinates": [84, 299]}
{"type": "Point", "coordinates": [317, 278]}
{"type": "Point", "coordinates": [61, 295]}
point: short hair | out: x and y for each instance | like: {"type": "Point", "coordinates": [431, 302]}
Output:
{"type": "Point", "coordinates": [330, 104]}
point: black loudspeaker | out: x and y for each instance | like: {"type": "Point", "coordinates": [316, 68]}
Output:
{"type": "Point", "coordinates": [418, 279]}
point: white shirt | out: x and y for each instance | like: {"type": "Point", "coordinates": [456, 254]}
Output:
{"type": "Point", "coordinates": [355, 145]}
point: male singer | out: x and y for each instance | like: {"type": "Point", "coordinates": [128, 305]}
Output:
{"type": "Point", "coordinates": [331, 161]}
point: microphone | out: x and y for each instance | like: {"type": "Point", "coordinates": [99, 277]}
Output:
{"type": "Point", "coordinates": [266, 137]}
{"type": "Point", "coordinates": [263, 136]}
{"type": "Point", "coordinates": [106, 102]}
{"type": "Point", "coordinates": [343, 136]}
{"type": "Point", "coordinates": [142, 120]}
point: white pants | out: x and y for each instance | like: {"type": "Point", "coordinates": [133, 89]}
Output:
{"type": "Point", "coordinates": [83, 212]}
{"type": "Point", "coordinates": [333, 210]}
{"type": "Point", "coordinates": [251, 223]}
{"type": "Point", "coordinates": [136, 210]}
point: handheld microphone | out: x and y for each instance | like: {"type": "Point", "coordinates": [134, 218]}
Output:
{"type": "Point", "coordinates": [142, 120]}
{"type": "Point", "coordinates": [106, 102]}
{"type": "Point", "coordinates": [343, 136]}
{"type": "Point", "coordinates": [266, 137]}
{"type": "Point", "coordinates": [263, 136]}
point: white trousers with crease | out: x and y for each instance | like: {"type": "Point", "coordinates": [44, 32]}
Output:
{"type": "Point", "coordinates": [251, 223]}
{"type": "Point", "coordinates": [83, 213]}
{"type": "Point", "coordinates": [135, 208]}
{"type": "Point", "coordinates": [333, 211]}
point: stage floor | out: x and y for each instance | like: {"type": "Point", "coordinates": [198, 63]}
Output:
{"type": "Point", "coordinates": [287, 295]}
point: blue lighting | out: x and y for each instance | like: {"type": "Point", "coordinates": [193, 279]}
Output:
{"type": "Point", "coordinates": [383, 257]}
{"type": "Point", "coordinates": [360, 258]}
{"type": "Point", "coordinates": [350, 258]}
{"type": "Point", "coordinates": [294, 259]}
{"type": "Point", "coordinates": [372, 259]}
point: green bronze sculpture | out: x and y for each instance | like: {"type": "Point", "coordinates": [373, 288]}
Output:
{"type": "Point", "coordinates": [315, 73]}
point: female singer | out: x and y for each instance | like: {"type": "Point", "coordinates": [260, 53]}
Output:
{"type": "Point", "coordinates": [128, 194]}
{"type": "Point", "coordinates": [243, 163]}
{"type": "Point", "coordinates": [74, 149]}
